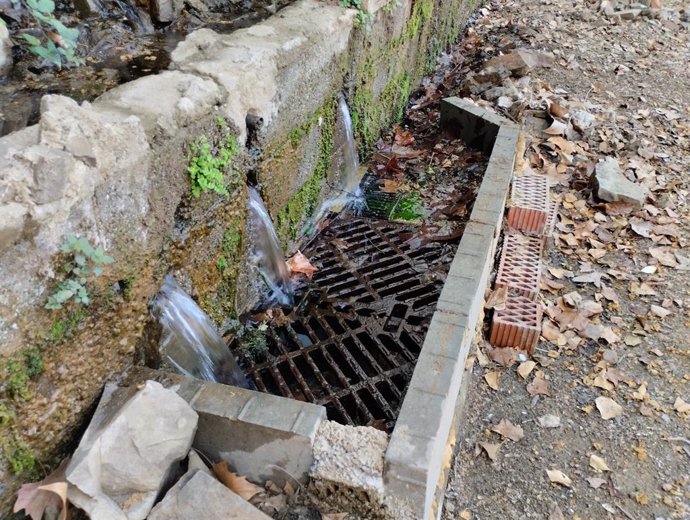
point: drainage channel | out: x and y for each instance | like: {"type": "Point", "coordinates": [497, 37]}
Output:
{"type": "Point", "coordinates": [352, 342]}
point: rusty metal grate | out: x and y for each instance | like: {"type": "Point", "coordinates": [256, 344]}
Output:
{"type": "Point", "coordinates": [352, 344]}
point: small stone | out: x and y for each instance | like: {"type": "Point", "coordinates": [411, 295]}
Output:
{"type": "Point", "coordinates": [629, 14]}
{"type": "Point", "coordinates": [611, 185]}
{"type": "Point", "coordinates": [519, 62]}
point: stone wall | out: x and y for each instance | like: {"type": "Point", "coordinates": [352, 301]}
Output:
{"type": "Point", "coordinates": [115, 171]}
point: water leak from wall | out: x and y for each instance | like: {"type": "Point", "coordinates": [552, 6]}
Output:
{"type": "Point", "coordinates": [189, 340]}
{"type": "Point", "coordinates": [267, 254]}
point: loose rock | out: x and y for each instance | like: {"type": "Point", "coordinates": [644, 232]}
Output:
{"type": "Point", "coordinates": [198, 495]}
{"type": "Point", "coordinates": [128, 450]}
{"type": "Point", "coordinates": [612, 186]}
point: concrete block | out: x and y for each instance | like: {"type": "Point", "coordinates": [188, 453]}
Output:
{"type": "Point", "coordinates": [446, 333]}
{"type": "Point", "coordinates": [258, 434]}
{"type": "Point", "coordinates": [477, 127]}
{"type": "Point", "coordinates": [198, 495]}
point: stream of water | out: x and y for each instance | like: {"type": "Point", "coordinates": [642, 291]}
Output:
{"type": "Point", "coordinates": [189, 340]}
{"type": "Point", "coordinates": [267, 253]}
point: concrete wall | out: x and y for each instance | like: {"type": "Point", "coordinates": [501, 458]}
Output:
{"type": "Point", "coordinates": [115, 171]}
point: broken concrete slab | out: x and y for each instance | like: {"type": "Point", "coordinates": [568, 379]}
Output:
{"type": "Point", "coordinates": [609, 184]}
{"type": "Point", "coordinates": [348, 467]}
{"type": "Point", "coordinates": [198, 495]}
{"type": "Point", "coordinates": [135, 437]}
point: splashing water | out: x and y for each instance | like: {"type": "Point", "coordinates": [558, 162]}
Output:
{"type": "Point", "coordinates": [189, 340]}
{"type": "Point", "coordinates": [268, 255]}
{"type": "Point", "coordinates": [348, 192]}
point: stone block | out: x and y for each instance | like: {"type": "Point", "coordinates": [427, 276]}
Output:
{"type": "Point", "coordinates": [262, 436]}
{"type": "Point", "coordinates": [197, 496]}
{"type": "Point", "coordinates": [476, 126]}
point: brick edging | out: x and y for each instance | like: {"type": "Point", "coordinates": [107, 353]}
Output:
{"type": "Point", "coordinates": [414, 475]}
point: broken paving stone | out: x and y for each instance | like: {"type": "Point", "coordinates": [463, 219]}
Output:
{"type": "Point", "coordinates": [128, 450]}
{"type": "Point", "coordinates": [611, 185]}
{"type": "Point", "coordinates": [198, 495]}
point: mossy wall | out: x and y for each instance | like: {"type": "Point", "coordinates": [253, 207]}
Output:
{"type": "Point", "coordinates": [389, 54]}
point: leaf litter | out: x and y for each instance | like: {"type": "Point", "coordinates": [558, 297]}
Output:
{"type": "Point", "coordinates": [613, 285]}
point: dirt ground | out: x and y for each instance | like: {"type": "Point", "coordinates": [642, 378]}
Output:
{"type": "Point", "coordinates": [615, 285]}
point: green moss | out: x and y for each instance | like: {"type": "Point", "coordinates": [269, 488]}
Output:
{"type": "Point", "coordinates": [20, 457]}
{"type": "Point", "coordinates": [408, 208]}
{"type": "Point", "coordinates": [6, 414]}
{"type": "Point", "coordinates": [65, 328]}
{"type": "Point", "coordinates": [303, 204]}
{"type": "Point", "coordinates": [253, 343]}
{"type": "Point", "coordinates": [33, 362]}
{"type": "Point", "coordinates": [371, 115]}
{"type": "Point", "coordinates": [421, 13]}
{"type": "Point", "coordinates": [16, 379]}
{"type": "Point", "coordinates": [128, 286]}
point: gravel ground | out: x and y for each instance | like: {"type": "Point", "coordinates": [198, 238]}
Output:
{"type": "Point", "coordinates": [615, 287]}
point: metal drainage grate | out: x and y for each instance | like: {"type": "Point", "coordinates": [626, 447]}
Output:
{"type": "Point", "coordinates": [353, 342]}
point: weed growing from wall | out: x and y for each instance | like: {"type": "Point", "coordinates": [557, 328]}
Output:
{"type": "Point", "coordinates": [208, 165]}
{"type": "Point", "coordinates": [85, 260]}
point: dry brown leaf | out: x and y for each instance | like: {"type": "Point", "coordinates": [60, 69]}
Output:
{"type": "Point", "coordinates": [390, 186]}
{"type": "Point", "coordinates": [49, 493]}
{"type": "Point", "coordinates": [641, 393]}
{"type": "Point", "coordinates": [300, 264]}
{"type": "Point", "coordinates": [507, 429]}
{"type": "Point", "coordinates": [288, 489]}
{"type": "Point", "coordinates": [492, 378]}
{"type": "Point", "coordinates": [664, 255]}
{"type": "Point", "coordinates": [558, 477]}
{"type": "Point", "coordinates": [526, 368]}
{"type": "Point", "coordinates": [556, 128]}
{"type": "Point", "coordinates": [601, 381]}
{"type": "Point", "coordinates": [608, 408]}
{"type": "Point", "coordinates": [491, 449]}
{"type": "Point", "coordinates": [497, 299]}
{"type": "Point", "coordinates": [598, 464]}
{"type": "Point", "coordinates": [659, 311]}
{"type": "Point", "coordinates": [504, 356]}
{"type": "Point", "coordinates": [558, 111]}
{"type": "Point", "coordinates": [538, 386]}
{"type": "Point", "coordinates": [549, 421]}
{"type": "Point", "coordinates": [235, 483]}
{"type": "Point", "coordinates": [681, 406]}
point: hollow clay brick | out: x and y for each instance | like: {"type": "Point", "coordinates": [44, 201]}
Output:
{"type": "Point", "coordinates": [518, 325]}
{"type": "Point", "coordinates": [520, 266]}
{"type": "Point", "coordinates": [529, 203]}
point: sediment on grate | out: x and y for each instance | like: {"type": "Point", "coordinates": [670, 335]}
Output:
{"type": "Point", "coordinates": [353, 342]}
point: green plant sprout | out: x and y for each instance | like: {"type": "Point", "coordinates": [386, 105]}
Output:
{"type": "Point", "coordinates": [362, 18]}
{"type": "Point", "coordinates": [86, 260]}
{"type": "Point", "coordinates": [206, 168]}
{"type": "Point", "coordinates": [60, 42]}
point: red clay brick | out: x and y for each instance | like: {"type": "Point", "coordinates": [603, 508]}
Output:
{"type": "Point", "coordinates": [520, 266]}
{"type": "Point", "coordinates": [529, 203]}
{"type": "Point", "coordinates": [518, 325]}
{"type": "Point", "coordinates": [550, 222]}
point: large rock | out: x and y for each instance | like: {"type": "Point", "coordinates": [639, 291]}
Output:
{"type": "Point", "coordinates": [199, 496]}
{"type": "Point", "coordinates": [128, 450]}
{"type": "Point", "coordinates": [611, 185]}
